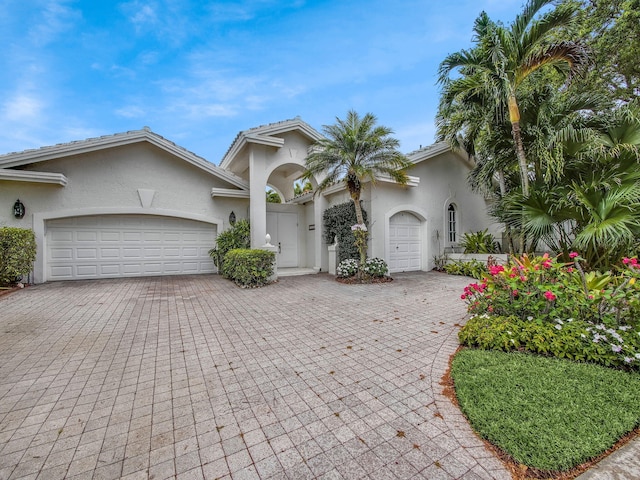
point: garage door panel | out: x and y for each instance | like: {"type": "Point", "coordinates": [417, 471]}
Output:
{"type": "Point", "coordinates": [109, 236]}
{"type": "Point", "coordinates": [86, 236]}
{"type": "Point", "coordinates": [84, 271]}
{"type": "Point", "coordinates": [87, 253]}
{"type": "Point", "coordinates": [62, 272]}
{"type": "Point", "coordinates": [110, 270]}
{"type": "Point", "coordinates": [61, 253]}
{"type": "Point", "coordinates": [132, 236]}
{"type": "Point", "coordinates": [127, 245]}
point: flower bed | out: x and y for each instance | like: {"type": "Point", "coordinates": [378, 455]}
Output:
{"type": "Point", "coordinates": [542, 305]}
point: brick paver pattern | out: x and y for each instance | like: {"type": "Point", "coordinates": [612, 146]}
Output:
{"type": "Point", "coordinates": [193, 377]}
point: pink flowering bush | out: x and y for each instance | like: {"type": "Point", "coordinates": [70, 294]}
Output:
{"type": "Point", "coordinates": [557, 308]}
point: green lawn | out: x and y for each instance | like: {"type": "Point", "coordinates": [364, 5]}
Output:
{"type": "Point", "coordinates": [546, 413]}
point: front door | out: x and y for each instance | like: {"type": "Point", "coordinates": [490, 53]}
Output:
{"type": "Point", "coordinates": [283, 228]}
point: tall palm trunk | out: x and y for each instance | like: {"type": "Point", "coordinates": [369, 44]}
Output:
{"type": "Point", "coordinates": [514, 117]}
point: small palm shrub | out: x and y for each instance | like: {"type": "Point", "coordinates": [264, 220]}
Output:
{"type": "Point", "coordinates": [375, 267]}
{"type": "Point", "coordinates": [347, 268]}
{"type": "Point", "coordinates": [480, 242]}
{"type": "Point", "coordinates": [238, 236]}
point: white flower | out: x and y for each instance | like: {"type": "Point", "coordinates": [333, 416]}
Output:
{"type": "Point", "coordinates": [558, 327]}
{"type": "Point", "coordinates": [359, 226]}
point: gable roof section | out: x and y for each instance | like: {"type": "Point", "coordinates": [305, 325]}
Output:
{"type": "Point", "coordinates": [268, 135]}
{"type": "Point", "coordinates": [436, 149]}
{"type": "Point", "coordinates": [26, 157]}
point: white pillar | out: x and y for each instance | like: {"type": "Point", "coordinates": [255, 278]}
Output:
{"type": "Point", "coordinates": [258, 199]}
{"type": "Point", "coordinates": [271, 248]}
{"type": "Point", "coordinates": [321, 254]}
{"type": "Point", "coordinates": [333, 256]}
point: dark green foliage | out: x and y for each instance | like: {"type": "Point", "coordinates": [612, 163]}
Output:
{"type": "Point", "coordinates": [547, 413]}
{"type": "Point", "coordinates": [17, 253]}
{"type": "Point", "coordinates": [471, 268]}
{"type": "Point", "coordinates": [248, 268]}
{"type": "Point", "coordinates": [574, 339]}
{"type": "Point", "coordinates": [480, 242]}
{"type": "Point", "coordinates": [338, 221]}
{"type": "Point", "coordinates": [238, 236]}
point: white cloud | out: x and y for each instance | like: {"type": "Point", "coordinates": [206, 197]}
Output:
{"type": "Point", "coordinates": [55, 19]}
{"type": "Point", "coordinates": [131, 111]}
{"type": "Point", "coordinates": [22, 108]}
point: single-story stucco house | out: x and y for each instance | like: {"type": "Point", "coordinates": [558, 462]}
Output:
{"type": "Point", "coordinates": [137, 204]}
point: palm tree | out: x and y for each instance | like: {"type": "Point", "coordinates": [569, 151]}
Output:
{"type": "Point", "coordinates": [300, 187]}
{"type": "Point", "coordinates": [272, 196]}
{"type": "Point", "coordinates": [505, 57]}
{"type": "Point", "coordinates": [593, 205]}
{"type": "Point", "coordinates": [356, 150]}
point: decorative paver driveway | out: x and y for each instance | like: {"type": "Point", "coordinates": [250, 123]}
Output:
{"type": "Point", "coordinates": [192, 377]}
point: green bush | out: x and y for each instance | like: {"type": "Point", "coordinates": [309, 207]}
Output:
{"type": "Point", "coordinates": [347, 268]}
{"type": "Point", "coordinates": [480, 242]}
{"type": "Point", "coordinates": [338, 221]}
{"type": "Point", "coordinates": [577, 339]}
{"type": "Point", "coordinates": [17, 253]}
{"type": "Point", "coordinates": [238, 236]}
{"type": "Point", "coordinates": [376, 267]}
{"type": "Point", "coordinates": [470, 268]}
{"type": "Point", "coordinates": [248, 268]}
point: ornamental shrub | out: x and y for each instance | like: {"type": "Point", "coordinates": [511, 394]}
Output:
{"type": "Point", "coordinates": [570, 338]}
{"type": "Point", "coordinates": [542, 287]}
{"type": "Point", "coordinates": [469, 268]}
{"type": "Point", "coordinates": [338, 221]}
{"type": "Point", "coordinates": [17, 254]}
{"type": "Point", "coordinates": [347, 268]}
{"type": "Point", "coordinates": [375, 267]}
{"type": "Point", "coordinates": [549, 307]}
{"type": "Point", "coordinates": [248, 268]}
{"type": "Point", "coordinates": [480, 242]}
{"type": "Point", "coordinates": [238, 236]}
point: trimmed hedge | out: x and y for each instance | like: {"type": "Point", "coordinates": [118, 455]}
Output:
{"type": "Point", "coordinates": [577, 339]}
{"type": "Point", "coordinates": [248, 268]}
{"type": "Point", "coordinates": [17, 253]}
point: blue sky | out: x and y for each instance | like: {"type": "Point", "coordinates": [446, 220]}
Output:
{"type": "Point", "coordinates": [198, 72]}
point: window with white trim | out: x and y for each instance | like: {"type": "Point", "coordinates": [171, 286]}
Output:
{"type": "Point", "coordinates": [451, 223]}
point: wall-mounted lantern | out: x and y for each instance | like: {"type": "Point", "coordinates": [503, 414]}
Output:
{"type": "Point", "coordinates": [18, 209]}
{"type": "Point", "coordinates": [232, 218]}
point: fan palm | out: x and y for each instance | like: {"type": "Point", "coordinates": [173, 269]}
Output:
{"type": "Point", "coordinates": [594, 205]}
{"type": "Point", "coordinates": [505, 57]}
{"type": "Point", "coordinates": [353, 151]}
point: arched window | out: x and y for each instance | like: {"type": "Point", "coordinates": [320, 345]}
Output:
{"type": "Point", "coordinates": [451, 224]}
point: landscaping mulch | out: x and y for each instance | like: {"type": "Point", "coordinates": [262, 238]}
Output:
{"type": "Point", "coordinates": [355, 281]}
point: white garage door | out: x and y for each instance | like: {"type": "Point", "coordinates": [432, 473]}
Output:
{"type": "Point", "coordinates": [405, 245]}
{"type": "Point", "coordinates": [108, 246]}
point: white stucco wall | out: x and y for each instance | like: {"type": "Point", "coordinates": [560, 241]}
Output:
{"type": "Point", "coordinates": [107, 182]}
{"type": "Point", "coordinates": [443, 180]}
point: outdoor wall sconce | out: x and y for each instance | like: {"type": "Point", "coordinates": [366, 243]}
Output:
{"type": "Point", "coordinates": [18, 209]}
{"type": "Point", "coordinates": [232, 218]}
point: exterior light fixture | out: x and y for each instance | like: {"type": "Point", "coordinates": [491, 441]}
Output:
{"type": "Point", "coordinates": [232, 218]}
{"type": "Point", "coordinates": [18, 209]}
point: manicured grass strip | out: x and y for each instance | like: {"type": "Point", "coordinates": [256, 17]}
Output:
{"type": "Point", "coordinates": [546, 413]}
